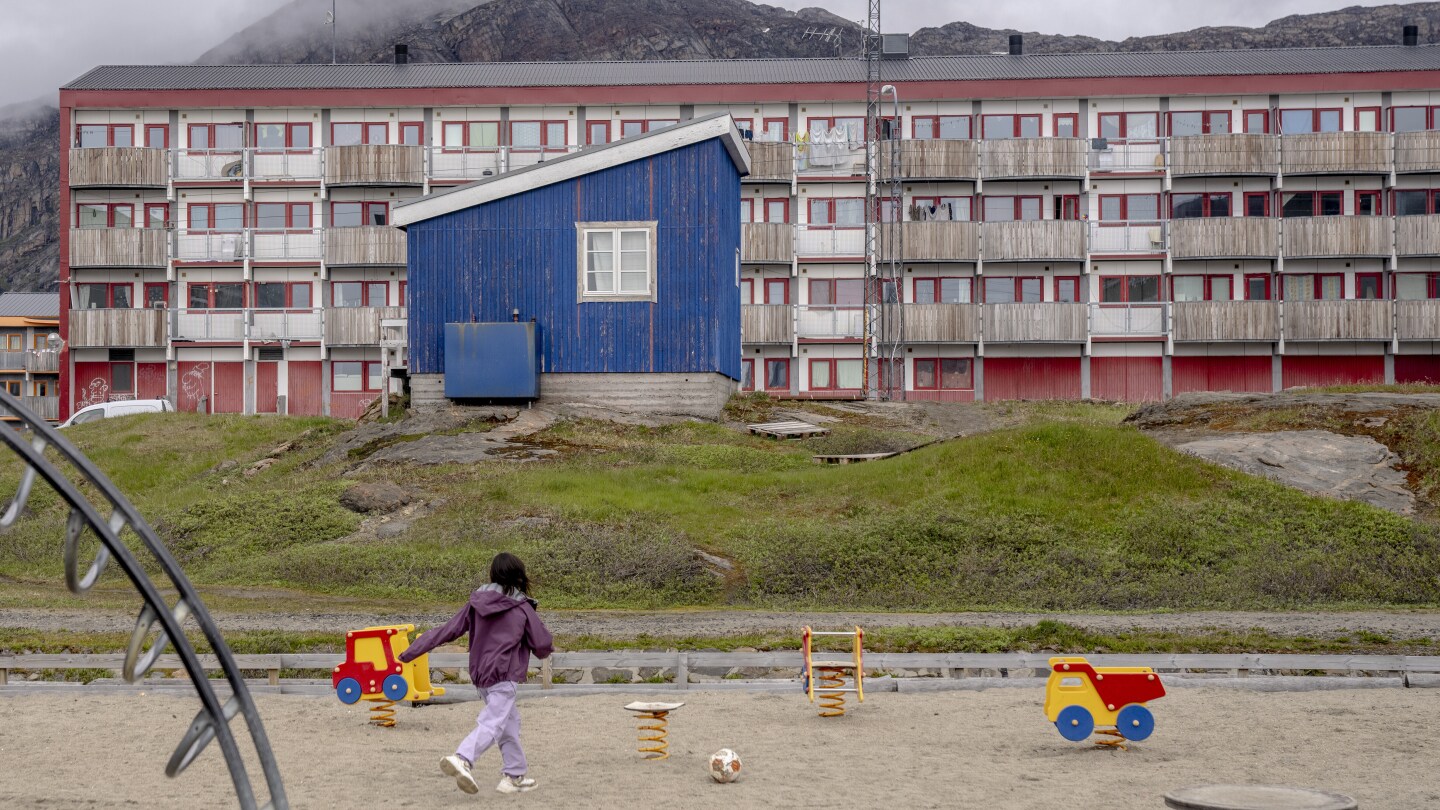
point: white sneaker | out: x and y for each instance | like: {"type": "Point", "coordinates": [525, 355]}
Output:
{"type": "Point", "coordinates": [454, 766]}
{"type": "Point", "coordinates": [515, 784]}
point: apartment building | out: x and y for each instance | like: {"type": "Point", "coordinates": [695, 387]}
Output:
{"type": "Point", "coordinates": [29, 350]}
{"type": "Point", "coordinates": [1116, 226]}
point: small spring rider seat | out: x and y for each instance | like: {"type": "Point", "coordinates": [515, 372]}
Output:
{"type": "Point", "coordinates": [826, 679]}
{"type": "Point", "coordinates": [652, 717]}
{"type": "Point", "coordinates": [373, 672]}
{"type": "Point", "coordinates": [1110, 701]}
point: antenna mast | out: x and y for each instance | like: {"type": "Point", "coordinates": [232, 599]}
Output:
{"type": "Point", "coordinates": [884, 315]}
{"type": "Point", "coordinates": [330, 21]}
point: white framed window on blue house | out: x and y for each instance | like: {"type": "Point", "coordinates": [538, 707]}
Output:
{"type": "Point", "coordinates": [616, 261]}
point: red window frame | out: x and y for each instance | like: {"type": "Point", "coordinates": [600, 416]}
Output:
{"type": "Point", "coordinates": [545, 144]}
{"type": "Point", "coordinates": [415, 127]}
{"type": "Point", "coordinates": [969, 200]}
{"type": "Point", "coordinates": [937, 366]}
{"type": "Point", "coordinates": [1018, 201]}
{"type": "Point", "coordinates": [747, 372]}
{"type": "Point", "coordinates": [771, 203]}
{"type": "Point", "coordinates": [1262, 277]}
{"type": "Point", "coordinates": [1073, 118]}
{"type": "Point", "coordinates": [110, 130]}
{"type": "Point", "coordinates": [210, 289]}
{"type": "Point", "coordinates": [1015, 125]}
{"type": "Point", "coordinates": [937, 289]}
{"type": "Point", "coordinates": [1264, 118]}
{"type": "Point", "coordinates": [1067, 206]}
{"type": "Point", "coordinates": [1263, 196]}
{"type": "Point", "coordinates": [829, 121]}
{"type": "Point", "coordinates": [1379, 119]}
{"type": "Point", "coordinates": [1318, 280]}
{"type": "Point", "coordinates": [163, 287]}
{"type": "Point", "coordinates": [777, 361]}
{"type": "Point", "coordinates": [934, 122]}
{"type": "Point", "coordinates": [784, 127]}
{"type": "Point", "coordinates": [747, 291]}
{"type": "Point", "coordinates": [1432, 284]}
{"type": "Point", "coordinates": [590, 129]}
{"type": "Point", "coordinates": [1123, 126]}
{"type": "Point", "coordinates": [163, 208]}
{"type": "Point", "coordinates": [464, 144]}
{"type": "Point", "coordinates": [290, 129]}
{"type": "Point", "coordinates": [1125, 208]}
{"type": "Point", "coordinates": [1207, 123]}
{"type": "Point", "coordinates": [367, 131]}
{"type": "Point", "coordinates": [365, 368]}
{"type": "Point", "coordinates": [743, 124]}
{"type": "Point", "coordinates": [1378, 278]}
{"type": "Point", "coordinates": [110, 209]}
{"type": "Point", "coordinates": [210, 137]}
{"type": "Point", "coordinates": [829, 204]}
{"type": "Point", "coordinates": [1314, 116]}
{"type": "Point", "coordinates": [366, 208]}
{"type": "Point", "coordinates": [402, 286]}
{"type": "Point", "coordinates": [1377, 207]}
{"type": "Point", "coordinates": [365, 289]}
{"type": "Point", "coordinates": [747, 209]}
{"type": "Point", "coordinates": [110, 288]}
{"type": "Point", "coordinates": [833, 287]}
{"type": "Point", "coordinates": [1017, 292]}
{"type": "Point", "coordinates": [1074, 282]}
{"type": "Point", "coordinates": [293, 215]}
{"type": "Point", "coordinates": [1431, 196]}
{"type": "Point", "coordinates": [210, 216]}
{"type": "Point", "coordinates": [1125, 290]}
{"type": "Point", "coordinates": [1207, 289]}
{"type": "Point", "coordinates": [164, 130]}
{"type": "Point", "coordinates": [1314, 202]}
{"type": "Point", "coordinates": [833, 364]}
{"type": "Point", "coordinates": [1206, 200]}
{"type": "Point", "coordinates": [290, 287]}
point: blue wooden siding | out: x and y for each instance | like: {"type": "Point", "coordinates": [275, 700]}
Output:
{"type": "Point", "coordinates": [519, 252]}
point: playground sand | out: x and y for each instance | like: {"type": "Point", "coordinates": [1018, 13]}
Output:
{"type": "Point", "coordinates": [952, 749]}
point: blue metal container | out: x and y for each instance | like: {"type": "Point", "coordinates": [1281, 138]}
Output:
{"type": "Point", "coordinates": [491, 361]}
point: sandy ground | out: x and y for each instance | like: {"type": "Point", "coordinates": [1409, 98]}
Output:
{"type": "Point", "coordinates": [984, 749]}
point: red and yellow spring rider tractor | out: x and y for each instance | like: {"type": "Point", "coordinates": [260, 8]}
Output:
{"type": "Point", "coordinates": [374, 672]}
{"type": "Point", "coordinates": [1080, 698]}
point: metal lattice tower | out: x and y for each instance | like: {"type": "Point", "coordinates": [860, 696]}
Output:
{"type": "Point", "coordinates": [884, 209]}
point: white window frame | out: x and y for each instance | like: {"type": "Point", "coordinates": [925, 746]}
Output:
{"type": "Point", "coordinates": [582, 256]}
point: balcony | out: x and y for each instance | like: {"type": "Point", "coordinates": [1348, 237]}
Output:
{"type": "Point", "coordinates": [830, 322]}
{"type": "Point", "coordinates": [1127, 320]}
{"type": "Point", "coordinates": [1127, 238]}
{"type": "Point", "coordinates": [374, 165]}
{"type": "Point", "coordinates": [357, 326]}
{"type": "Point", "coordinates": [287, 165]}
{"type": "Point", "coordinates": [932, 159]}
{"type": "Point", "coordinates": [1337, 153]}
{"type": "Point", "coordinates": [1338, 320]}
{"type": "Point", "coordinates": [770, 162]}
{"type": "Point", "coordinates": [766, 323]}
{"type": "Point", "coordinates": [1417, 320]}
{"type": "Point", "coordinates": [1224, 238]}
{"type": "Point", "coordinates": [44, 407]}
{"type": "Point", "coordinates": [1035, 240]}
{"type": "Point", "coordinates": [301, 245]}
{"type": "Point", "coordinates": [1035, 323]}
{"type": "Point", "coordinates": [117, 328]}
{"type": "Point", "coordinates": [1417, 152]}
{"type": "Point", "coordinates": [228, 325]}
{"type": "Point", "coordinates": [762, 242]}
{"type": "Point", "coordinates": [1201, 155]}
{"type": "Point", "coordinates": [117, 167]}
{"type": "Point", "coordinates": [1132, 158]}
{"type": "Point", "coordinates": [207, 165]}
{"type": "Point", "coordinates": [830, 159]}
{"type": "Point", "coordinates": [826, 242]}
{"type": "Point", "coordinates": [364, 245]}
{"type": "Point", "coordinates": [1326, 237]}
{"type": "Point", "coordinates": [933, 241]}
{"type": "Point", "coordinates": [12, 361]}
{"type": "Point", "coordinates": [42, 361]}
{"type": "Point", "coordinates": [1417, 235]}
{"type": "Point", "coordinates": [1219, 321]}
{"type": "Point", "coordinates": [1019, 158]}
{"type": "Point", "coordinates": [118, 247]}
{"type": "Point", "coordinates": [942, 323]}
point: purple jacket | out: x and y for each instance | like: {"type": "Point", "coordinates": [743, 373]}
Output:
{"type": "Point", "coordinates": [504, 632]}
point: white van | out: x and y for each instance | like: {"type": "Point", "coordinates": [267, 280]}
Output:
{"type": "Point", "coordinates": [110, 410]}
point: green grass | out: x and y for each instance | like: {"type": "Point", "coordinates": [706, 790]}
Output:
{"type": "Point", "coordinates": [1068, 510]}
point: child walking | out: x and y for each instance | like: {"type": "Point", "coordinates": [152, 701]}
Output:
{"type": "Point", "coordinates": [504, 631]}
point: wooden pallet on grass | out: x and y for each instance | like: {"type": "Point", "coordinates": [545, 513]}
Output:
{"type": "Point", "coordinates": [788, 430]}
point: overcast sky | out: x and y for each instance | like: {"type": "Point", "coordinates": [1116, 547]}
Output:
{"type": "Point", "coordinates": [48, 42]}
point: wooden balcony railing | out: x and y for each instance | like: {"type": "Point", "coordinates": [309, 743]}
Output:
{"type": "Point", "coordinates": [1033, 157]}
{"type": "Point", "coordinates": [1417, 320]}
{"type": "Point", "coordinates": [1225, 320]}
{"type": "Point", "coordinates": [1417, 152]}
{"type": "Point", "coordinates": [1240, 153]}
{"type": "Point", "coordinates": [1337, 153]}
{"type": "Point", "coordinates": [766, 323]}
{"type": "Point", "coordinates": [357, 326]}
{"type": "Point", "coordinates": [1417, 235]}
{"type": "Point", "coordinates": [43, 407]}
{"type": "Point", "coordinates": [117, 166]}
{"type": "Point", "coordinates": [369, 244]}
{"type": "Point", "coordinates": [939, 159]}
{"type": "Point", "coordinates": [375, 164]}
{"type": "Point", "coordinates": [1035, 323]}
{"type": "Point", "coordinates": [1338, 320]}
{"type": "Point", "coordinates": [42, 361]}
{"type": "Point", "coordinates": [118, 247]}
{"type": "Point", "coordinates": [117, 328]}
{"type": "Point", "coordinates": [1337, 236]}
{"type": "Point", "coordinates": [1224, 237]}
{"type": "Point", "coordinates": [771, 162]}
{"type": "Point", "coordinates": [942, 323]}
{"type": "Point", "coordinates": [933, 241]}
{"type": "Point", "coordinates": [767, 242]}
{"type": "Point", "coordinates": [1036, 240]}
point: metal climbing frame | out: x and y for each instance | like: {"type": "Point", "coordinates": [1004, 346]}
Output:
{"type": "Point", "coordinates": [884, 210]}
{"type": "Point", "coordinates": [123, 523]}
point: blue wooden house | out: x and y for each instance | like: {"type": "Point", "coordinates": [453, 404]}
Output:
{"type": "Point", "coordinates": [608, 277]}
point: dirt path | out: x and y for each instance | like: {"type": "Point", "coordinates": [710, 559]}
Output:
{"type": "Point", "coordinates": [1399, 625]}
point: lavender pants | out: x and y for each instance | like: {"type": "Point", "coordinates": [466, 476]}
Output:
{"type": "Point", "coordinates": [498, 723]}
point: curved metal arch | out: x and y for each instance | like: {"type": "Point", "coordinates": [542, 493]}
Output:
{"type": "Point", "coordinates": [213, 720]}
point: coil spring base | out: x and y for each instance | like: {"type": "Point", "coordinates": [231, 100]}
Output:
{"type": "Point", "coordinates": [382, 713]}
{"type": "Point", "coordinates": [832, 704]}
{"type": "Point", "coordinates": [1118, 742]}
{"type": "Point", "coordinates": [652, 730]}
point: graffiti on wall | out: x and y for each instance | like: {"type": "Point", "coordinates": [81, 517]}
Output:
{"type": "Point", "coordinates": [196, 383]}
{"type": "Point", "coordinates": [93, 393]}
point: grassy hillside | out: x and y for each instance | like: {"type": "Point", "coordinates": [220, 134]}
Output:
{"type": "Point", "coordinates": [1067, 511]}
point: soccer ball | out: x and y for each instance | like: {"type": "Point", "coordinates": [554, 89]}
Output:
{"type": "Point", "coordinates": [724, 766]}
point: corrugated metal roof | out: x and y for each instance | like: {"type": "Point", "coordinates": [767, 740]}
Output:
{"type": "Point", "coordinates": [29, 305]}
{"type": "Point", "coordinates": [1277, 61]}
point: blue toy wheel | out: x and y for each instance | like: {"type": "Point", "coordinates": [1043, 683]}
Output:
{"type": "Point", "coordinates": [1135, 722]}
{"type": "Point", "coordinates": [395, 687]}
{"type": "Point", "coordinates": [1074, 723]}
{"type": "Point", "coordinates": [348, 690]}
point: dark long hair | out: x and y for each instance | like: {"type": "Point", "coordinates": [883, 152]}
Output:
{"type": "Point", "coordinates": [508, 572]}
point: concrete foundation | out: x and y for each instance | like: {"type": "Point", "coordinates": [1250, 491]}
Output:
{"type": "Point", "coordinates": [702, 395]}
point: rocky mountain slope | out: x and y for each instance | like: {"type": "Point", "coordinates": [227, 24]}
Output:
{"type": "Point", "coordinates": [541, 30]}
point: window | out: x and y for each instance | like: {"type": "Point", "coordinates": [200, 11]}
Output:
{"type": "Point", "coordinates": [1413, 202]}
{"type": "Point", "coordinates": [747, 210]}
{"type": "Point", "coordinates": [777, 374]}
{"type": "Point", "coordinates": [1313, 287]}
{"type": "Point", "coordinates": [1417, 286]}
{"type": "Point", "coordinates": [854, 126]}
{"type": "Point", "coordinates": [355, 214]}
{"type": "Point", "coordinates": [401, 302]}
{"type": "Point", "coordinates": [1067, 125]}
{"type": "Point", "coordinates": [1257, 121]}
{"type": "Point", "coordinates": [747, 375]}
{"type": "Point", "coordinates": [216, 136]}
{"type": "Point", "coordinates": [412, 133]}
{"type": "Point", "coordinates": [157, 293]}
{"type": "Point", "coordinates": [1299, 122]}
{"type": "Point", "coordinates": [282, 295]}
{"type": "Point", "coordinates": [943, 374]}
{"type": "Point", "coordinates": [1129, 126]}
{"type": "Point", "coordinates": [597, 132]}
{"type": "Point", "coordinates": [775, 129]}
{"type": "Point", "coordinates": [282, 216]}
{"type": "Point", "coordinates": [539, 135]}
{"type": "Point", "coordinates": [1010, 209]}
{"type": "Point", "coordinates": [837, 212]}
{"type": "Point", "coordinates": [360, 294]}
{"type": "Point", "coordinates": [1369, 286]}
{"type": "Point", "coordinates": [122, 378]}
{"type": "Point", "coordinates": [777, 290]}
{"type": "Point", "coordinates": [1067, 206]}
{"type": "Point", "coordinates": [354, 376]}
{"type": "Point", "coordinates": [1257, 287]}
{"type": "Point", "coordinates": [217, 216]}
{"type": "Point", "coordinates": [14, 342]}
{"type": "Point", "coordinates": [157, 215]}
{"type": "Point", "coordinates": [356, 133]}
{"type": "Point", "coordinates": [1067, 289]}
{"type": "Point", "coordinates": [1208, 204]}
{"type": "Point", "coordinates": [282, 136]}
{"type": "Point", "coordinates": [1312, 204]}
{"type": "Point", "coordinates": [104, 215]}
{"type": "Point", "coordinates": [777, 210]}
{"type": "Point", "coordinates": [41, 340]}
{"type": "Point", "coordinates": [747, 291]}
{"type": "Point", "coordinates": [157, 136]}
{"type": "Point", "coordinates": [1204, 122]}
{"type": "Point", "coordinates": [837, 375]}
{"type": "Point", "coordinates": [1128, 207]}
{"type": "Point", "coordinates": [42, 388]}
{"type": "Point", "coordinates": [617, 259]}
{"type": "Point", "coordinates": [1367, 119]}
{"type": "Point", "coordinates": [628, 128]}
{"type": "Point", "coordinates": [1013, 290]}
{"type": "Point", "coordinates": [930, 127]}
{"type": "Point", "coordinates": [456, 135]}
{"type": "Point", "coordinates": [1367, 203]}
{"type": "Point", "coordinates": [942, 290]}
{"type": "Point", "coordinates": [746, 126]}
{"type": "Point", "coordinates": [999, 127]}
{"type": "Point", "coordinates": [841, 293]}
{"type": "Point", "coordinates": [1129, 289]}
{"type": "Point", "coordinates": [1202, 288]}
{"type": "Point", "coordinates": [944, 209]}
{"type": "Point", "coordinates": [92, 136]}
{"type": "Point", "coordinates": [216, 295]}
{"type": "Point", "coordinates": [1257, 203]}
{"type": "Point", "coordinates": [1413, 119]}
